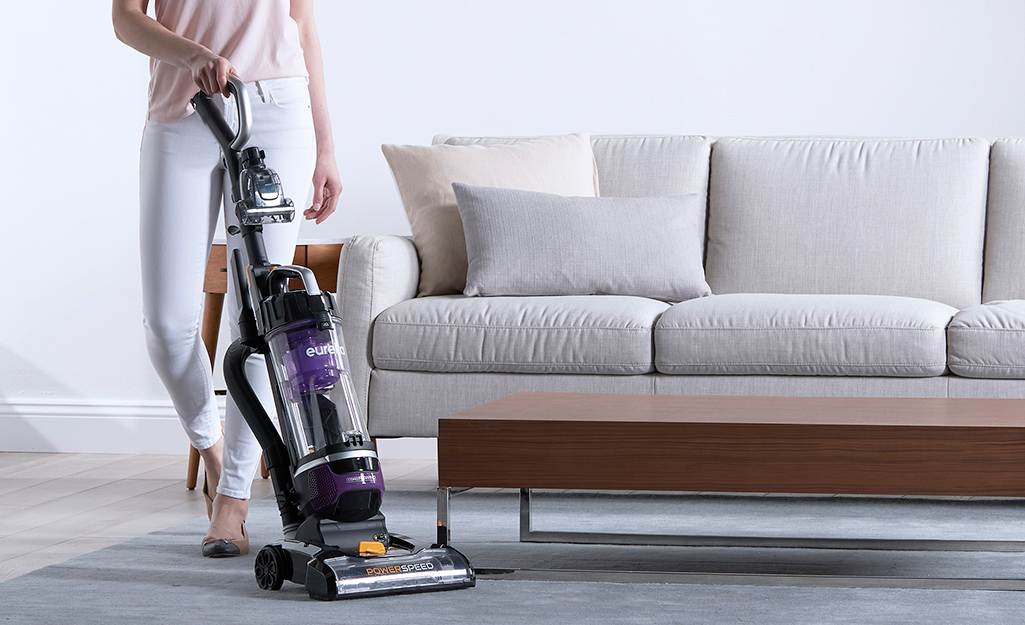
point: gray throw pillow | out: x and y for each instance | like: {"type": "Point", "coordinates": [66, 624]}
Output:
{"type": "Point", "coordinates": [529, 243]}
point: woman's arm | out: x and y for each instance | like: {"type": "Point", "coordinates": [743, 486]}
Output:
{"type": "Point", "coordinates": [133, 27]}
{"type": "Point", "coordinates": [326, 183]}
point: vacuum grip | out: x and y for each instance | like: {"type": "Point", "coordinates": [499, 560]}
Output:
{"type": "Point", "coordinates": [211, 115]}
{"type": "Point", "coordinates": [245, 116]}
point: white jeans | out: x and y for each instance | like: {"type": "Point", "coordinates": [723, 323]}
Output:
{"type": "Point", "coordinates": [182, 183]}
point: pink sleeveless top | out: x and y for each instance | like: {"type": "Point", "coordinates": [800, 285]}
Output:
{"type": "Point", "coordinates": [258, 36]}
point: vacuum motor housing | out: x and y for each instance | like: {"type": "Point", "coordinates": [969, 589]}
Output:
{"type": "Point", "coordinates": [348, 490]}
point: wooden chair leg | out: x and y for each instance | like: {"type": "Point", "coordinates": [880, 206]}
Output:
{"type": "Point", "coordinates": [193, 475]}
{"type": "Point", "coordinates": [212, 306]}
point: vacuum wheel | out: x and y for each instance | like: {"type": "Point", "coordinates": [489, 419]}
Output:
{"type": "Point", "coordinates": [272, 567]}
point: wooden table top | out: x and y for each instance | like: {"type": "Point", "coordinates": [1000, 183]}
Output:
{"type": "Point", "coordinates": [595, 407]}
{"type": "Point", "coordinates": [871, 446]}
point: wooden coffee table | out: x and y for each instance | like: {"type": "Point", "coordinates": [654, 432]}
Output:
{"type": "Point", "coordinates": [869, 446]}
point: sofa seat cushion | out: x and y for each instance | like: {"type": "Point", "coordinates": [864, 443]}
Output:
{"type": "Point", "coordinates": [784, 334]}
{"type": "Point", "coordinates": [988, 341]}
{"type": "Point", "coordinates": [608, 334]}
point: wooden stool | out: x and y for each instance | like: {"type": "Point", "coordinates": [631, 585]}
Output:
{"type": "Point", "coordinates": [321, 258]}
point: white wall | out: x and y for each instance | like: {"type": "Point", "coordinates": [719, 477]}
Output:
{"type": "Point", "coordinates": [74, 374]}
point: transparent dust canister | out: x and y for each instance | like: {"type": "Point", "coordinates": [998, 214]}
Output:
{"type": "Point", "coordinates": [316, 388]}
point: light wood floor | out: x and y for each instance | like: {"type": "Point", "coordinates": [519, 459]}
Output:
{"type": "Point", "coordinates": [54, 507]}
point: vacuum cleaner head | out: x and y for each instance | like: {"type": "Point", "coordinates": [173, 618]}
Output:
{"type": "Point", "coordinates": [437, 568]}
{"type": "Point", "coordinates": [330, 575]}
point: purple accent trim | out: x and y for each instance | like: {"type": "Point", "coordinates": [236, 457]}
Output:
{"type": "Point", "coordinates": [326, 486]}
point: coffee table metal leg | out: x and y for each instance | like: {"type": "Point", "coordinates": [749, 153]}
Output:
{"type": "Point", "coordinates": [525, 528]}
{"type": "Point", "coordinates": [444, 502]}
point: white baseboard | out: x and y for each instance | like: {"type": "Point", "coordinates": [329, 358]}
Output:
{"type": "Point", "coordinates": [119, 427]}
{"type": "Point", "coordinates": [98, 427]}
{"type": "Point", "coordinates": [408, 448]}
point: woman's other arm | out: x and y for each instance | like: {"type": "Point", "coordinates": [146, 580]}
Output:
{"type": "Point", "coordinates": [133, 27]}
{"type": "Point", "coordinates": [326, 183]}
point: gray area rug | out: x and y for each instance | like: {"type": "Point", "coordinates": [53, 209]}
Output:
{"type": "Point", "coordinates": [160, 577]}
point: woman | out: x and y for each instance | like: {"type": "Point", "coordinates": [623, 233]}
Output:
{"type": "Point", "coordinates": [272, 45]}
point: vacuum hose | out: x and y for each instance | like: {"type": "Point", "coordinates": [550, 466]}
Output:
{"type": "Point", "coordinates": [275, 454]}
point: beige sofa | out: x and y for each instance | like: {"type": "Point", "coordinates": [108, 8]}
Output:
{"type": "Point", "coordinates": [873, 268]}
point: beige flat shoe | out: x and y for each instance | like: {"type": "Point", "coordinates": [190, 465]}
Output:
{"type": "Point", "coordinates": [226, 547]}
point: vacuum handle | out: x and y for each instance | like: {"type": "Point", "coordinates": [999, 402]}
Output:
{"type": "Point", "coordinates": [317, 300]}
{"type": "Point", "coordinates": [245, 115]}
{"type": "Point", "coordinates": [214, 119]}
{"type": "Point", "coordinates": [280, 275]}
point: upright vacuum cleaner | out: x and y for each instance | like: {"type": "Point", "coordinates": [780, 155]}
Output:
{"type": "Point", "coordinates": [327, 479]}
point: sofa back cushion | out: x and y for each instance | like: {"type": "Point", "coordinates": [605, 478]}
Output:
{"type": "Point", "coordinates": [890, 217]}
{"type": "Point", "coordinates": [1005, 222]}
{"type": "Point", "coordinates": [652, 166]}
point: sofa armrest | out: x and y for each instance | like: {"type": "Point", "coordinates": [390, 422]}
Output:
{"type": "Point", "coordinates": [374, 273]}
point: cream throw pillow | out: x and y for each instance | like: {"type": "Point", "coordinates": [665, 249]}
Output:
{"type": "Point", "coordinates": [562, 165]}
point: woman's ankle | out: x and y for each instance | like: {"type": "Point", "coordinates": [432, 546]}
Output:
{"type": "Point", "coordinates": [228, 515]}
{"type": "Point", "coordinates": [212, 464]}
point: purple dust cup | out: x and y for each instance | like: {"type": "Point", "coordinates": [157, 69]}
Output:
{"type": "Point", "coordinates": [314, 360]}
